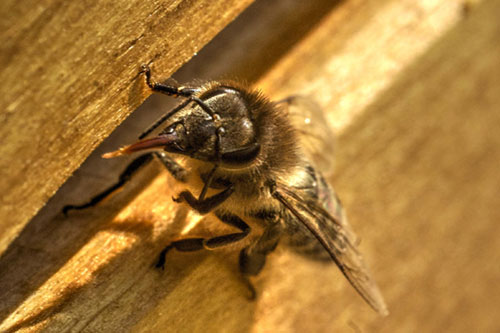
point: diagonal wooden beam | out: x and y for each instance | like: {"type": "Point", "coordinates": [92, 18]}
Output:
{"type": "Point", "coordinates": [69, 76]}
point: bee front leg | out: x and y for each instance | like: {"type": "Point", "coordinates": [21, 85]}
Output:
{"type": "Point", "coordinates": [177, 171]}
{"type": "Point", "coordinates": [204, 205]}
{"type": "Point", "coordinates": [124, 178]}
{"type": "Point", "coordinates": [166, 89]}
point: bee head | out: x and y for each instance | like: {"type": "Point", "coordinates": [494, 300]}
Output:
{"type": "Point", "coordinates": [215, 127]}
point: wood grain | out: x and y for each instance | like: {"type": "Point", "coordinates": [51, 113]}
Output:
{"type": "Point", "coordinates": [69, 76]}
{"type": "Point", "coordinates": [417, 161]}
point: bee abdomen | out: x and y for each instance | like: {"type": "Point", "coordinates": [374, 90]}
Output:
{"type": "Point", "coordinates": [310, 248]}
{"type": "Point", "coordinates": [302, 242]}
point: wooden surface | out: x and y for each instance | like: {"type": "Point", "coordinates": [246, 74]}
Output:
{"type": "Point", "coordinates": [416, 111]}
{"type": "Point", "coordinates": [69, 76]}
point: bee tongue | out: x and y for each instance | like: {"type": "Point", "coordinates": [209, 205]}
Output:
{"type": "Point", "coordinates": [159, 141]}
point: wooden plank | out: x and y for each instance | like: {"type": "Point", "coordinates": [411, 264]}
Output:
{"type": "Point", "coordinates": [426, 210]}
{"type": "Point", "coordinates": [69, 76]}
{"type": "Point", "coordinates": [421, 165]}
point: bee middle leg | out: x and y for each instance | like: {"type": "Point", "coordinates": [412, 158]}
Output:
{"type": "Point", "coordinates": [196, 244]}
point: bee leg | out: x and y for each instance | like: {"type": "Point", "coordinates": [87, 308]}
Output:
{"type": "Point", "coordinates": [177, 171]}
{"type": "Point", "coordinates": [125, 176]}
{"type": "Point", "coordinates": [205, 205]}
{"type": "Point", "coordinates": [165, 88]}
{"type": "Point", "coordinates": [196, 244]}
{"type": "Point", "coordinates": [253, 257]}
{"type": "Point", "coordinates": [172, 90]}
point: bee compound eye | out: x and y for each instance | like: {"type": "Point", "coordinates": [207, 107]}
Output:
{"type": "Point", "coordinates": [241, 156]}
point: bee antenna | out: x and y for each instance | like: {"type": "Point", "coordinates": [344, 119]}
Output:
{"type": "Point", "coordinates": [216, 119]}
{"type": "Point", "coordinates": [204, 106]}
{"type": "Point", "coordinates": [164, 117]}
{"type": "Point", "coordinates": [182, 105]}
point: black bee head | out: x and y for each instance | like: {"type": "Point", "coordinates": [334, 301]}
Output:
{"type": "Point", "coordinates": [234, 140]}
{"type": "Point", "coordinates": [215, 127]}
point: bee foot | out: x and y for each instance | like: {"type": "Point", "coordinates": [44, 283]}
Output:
{"type": "Point", "coordinates": [145, 69]}
{"type": "Point", "coordinates": [160, 263]}
{"type": "Point", "coordinates": [252, 293]}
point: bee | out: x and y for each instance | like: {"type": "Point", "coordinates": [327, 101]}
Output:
{"type": "Point", "coordinates": [262, 162]}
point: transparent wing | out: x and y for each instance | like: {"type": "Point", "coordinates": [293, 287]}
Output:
{"type": "Point", "coordinates": [336, 236]}
{"type": "Point", "coordinates": [315, 134]}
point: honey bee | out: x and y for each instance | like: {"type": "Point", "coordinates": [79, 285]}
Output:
{"type": "Point", "coordinates": [265, 162]}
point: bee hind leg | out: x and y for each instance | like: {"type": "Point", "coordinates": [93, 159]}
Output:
{"type": "Point", "coordinates": [253, 257]}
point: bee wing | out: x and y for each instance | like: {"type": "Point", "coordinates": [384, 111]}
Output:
{"type": "Point", "coordinates": [336, 236]}
{"type": "Point", "coordinates": [315, 135]}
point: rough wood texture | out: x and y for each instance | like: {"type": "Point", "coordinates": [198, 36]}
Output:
{"type": "Point", "coordinates": [417, 163]}
{"type": "Point", "coordinates": [68, 76]}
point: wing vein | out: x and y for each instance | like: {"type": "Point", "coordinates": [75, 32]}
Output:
{"type": "Point", "coordinates": [348, 259]}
